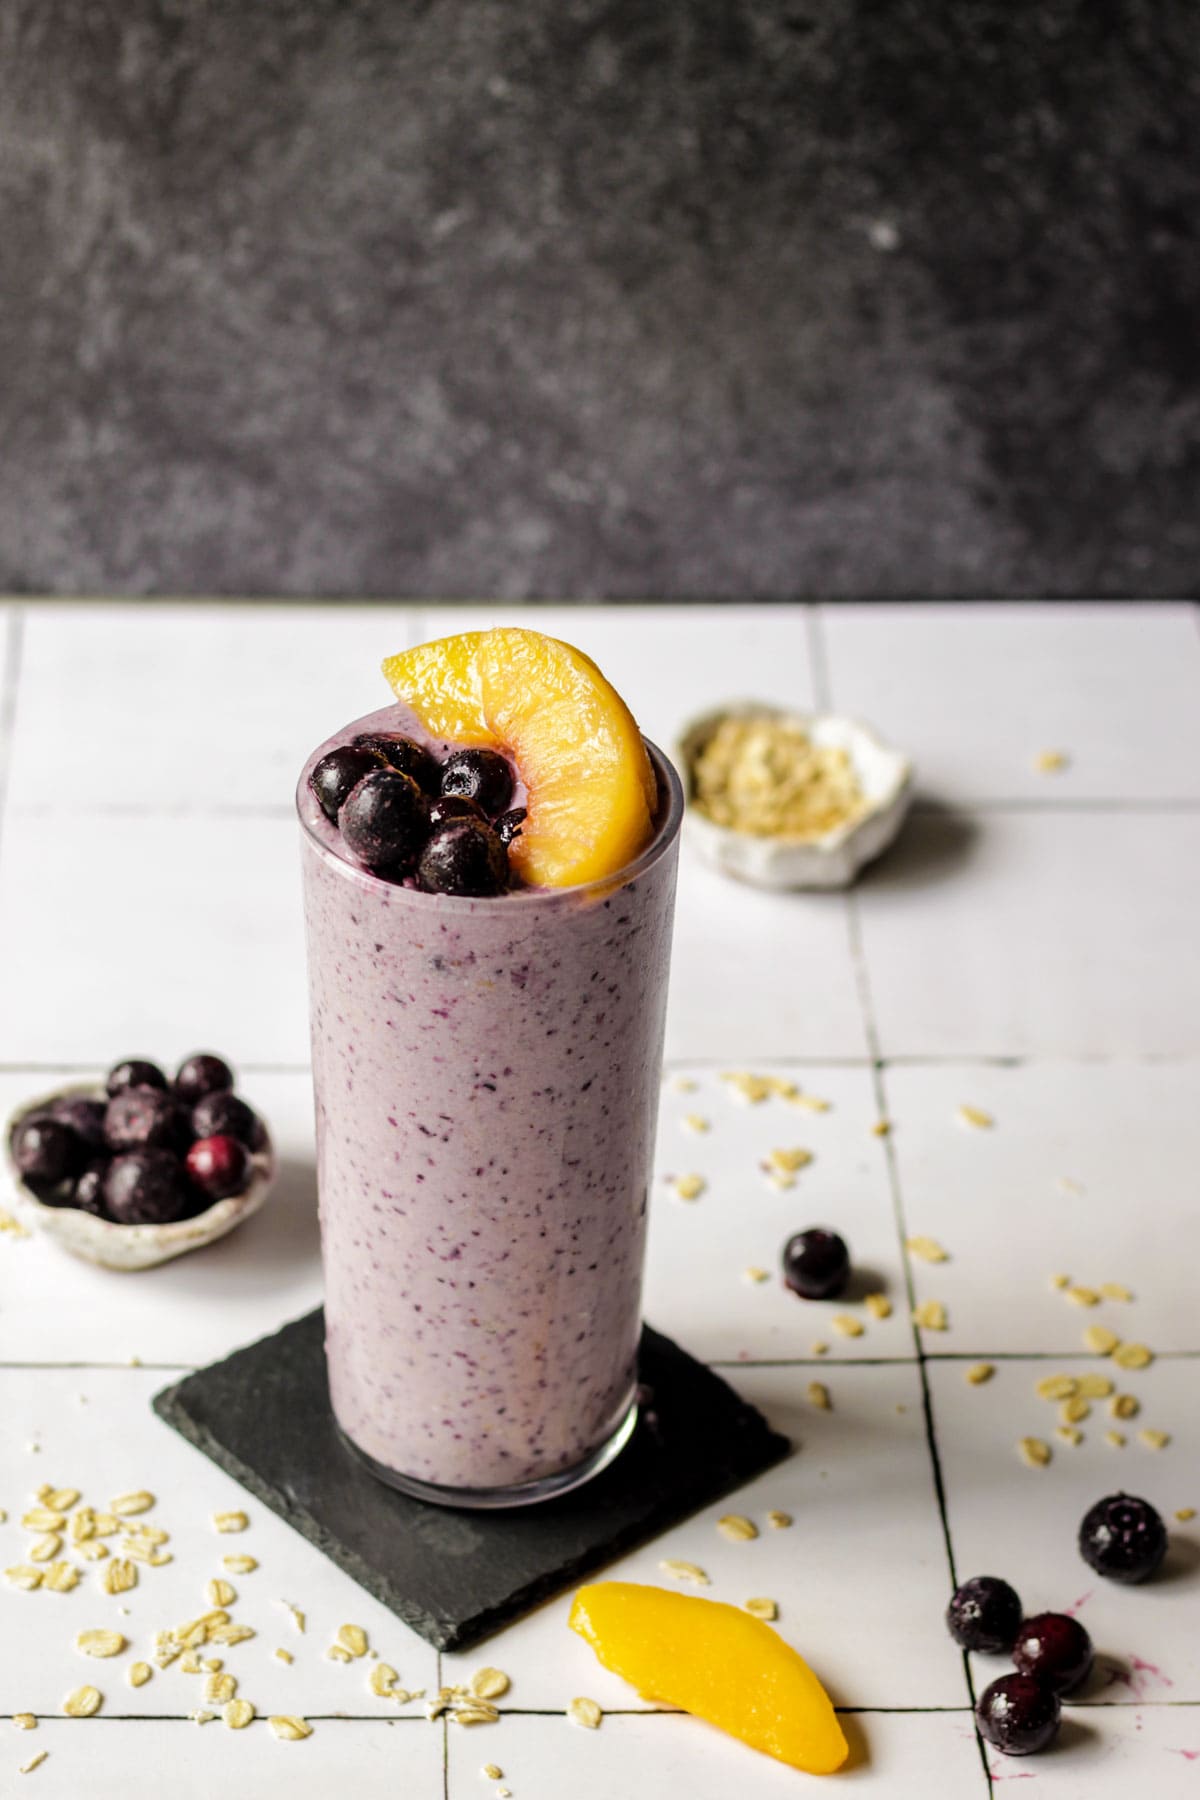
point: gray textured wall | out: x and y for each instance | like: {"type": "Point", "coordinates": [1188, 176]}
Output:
{"type": "Point", "coordinates": [600, 297]}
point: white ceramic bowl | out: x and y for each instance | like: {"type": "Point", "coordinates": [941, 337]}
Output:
{"type": "Point", "coordinates": [128, 1246]}
{"type": "Point", "coordinates": [830, 861]}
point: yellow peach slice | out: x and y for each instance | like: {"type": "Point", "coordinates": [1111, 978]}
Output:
{"type": "Point", "coordinates": [716, 1661]}
{"type": "Point", "coordinates": [591, 788]}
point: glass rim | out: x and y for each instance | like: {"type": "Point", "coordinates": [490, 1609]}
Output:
{"type": "Point", "coordinates": [663, 839]}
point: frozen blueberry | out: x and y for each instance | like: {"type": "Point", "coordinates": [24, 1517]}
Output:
{"type": "Point", "coordinates": [202, 1074]}
{"type": "Point", "coordinates": [480, 775]}
{"type": "Point", "coordinates": [508, 825]}
{"type": "Point", "coordinates": [47, 1151]}
{"type": "Point", "coordinates": [984, 1614]}
{"type": "Point", "coordinates": [1018, 1715]}
{"type": "Point", "coordinates": [385, 822]}
{"type": "Point", "coordinates": [219, 1166]}
{"type": "Point", "coordinates": [816, 1264]}
{"type": "Point", "coordinates": [146, 1187]}
{"type": "Point", "coordinates": [88, 1193]}
{"type": "Point", "coordinates": [1055, 1649]}
{"type": "Point", "coordinates": [225, 1115]}
{"type": "Point", "coordinates": [1123, 1537]}
{"type": "Point", "coordinates": [84, 1116]}
{"type": "Point", "coordinates": [336, 775]}
{"type": "Point", "coordinates": [464, 857]}
{"type": "Point", "coordinates": [141, 1118]}
{"type": "Point", "coordinates": [403, 754]}
{"type": "Point", "coordinates": [453, 806]}
{"type": "Point", "coordinates": [134, 1073]}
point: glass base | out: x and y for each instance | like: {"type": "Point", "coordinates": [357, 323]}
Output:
{"type": "Point", "coordinates": [527, 1493]}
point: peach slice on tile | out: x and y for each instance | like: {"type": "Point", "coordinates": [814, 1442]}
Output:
{"type": "Point", "coordinates": [715, 1661]}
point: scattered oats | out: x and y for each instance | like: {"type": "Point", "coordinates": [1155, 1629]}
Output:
{"type": "Point", "coordinates": [683, 1084]}
{"type": "Point", "coordinates": [59, 1499]}
{"type": "Point", "coordinates": [147, 1534]}
{"type": "Point", "coordinates": [878, 1305]}
{"type": "Point", "coordinates": [492, 1772]}
{"type": "Point", "coordinates": [285, 1656]}
{"type": "Point", "coordinates": [1115, 1439]}
{"type": "Point", "coordinates": [846, 1325]}
{"type": "Point", "coordinates": [1100, 1339]}
{"type": "Point", "coordinates": [138, 1674]}
{"type": "Point", "coordinates": [240, 1565]}
{"type": "Point", "coordinates": [3, 1516]}
{"type": "Point", "coordinates": [1154, 1440]}
{"type": "Point", "coordinates": [779, 1521]}
{"type": "Point", "coordinates": [219, 1690]}
{"type": "Point", "coordinates": [1068, 1185]}
{"type": "Point", "coordinates": [810, 1103]}
{"type": "Point", "coordinates": [298, 1619]}
{"type": "Point", "coordinates": [134, 1362]}
{"type": "Point", "coordinates": [105, 1524]}
{"type": "Point", "coordinates": [1056, 1387]}
{"type": "Point", "coordinates": [737, 1528]}
{"type": "Point", "coordinates": [338, 1653]}
{"type": "Point", "coordinates": [151, 1555]}
{"type": "Point", "coordinates": [1094, 1387]}
{"type": "Point", "coordinates": [28, 1721]}
{"type": "Point", "coordinates": [41, 1518]}
{"type": "Point", "coordinates": [202, 1716]}
{"type": "Point", "coordinates": [23, 1575]}
{"type": "Point", "coordinates": [475, 1712]}
{"type": "Point", "coordinates": [1051, 762]}
{"type": "Point", "coordinates": [352, 1638]}
{"type": "Point", "coordinates": [231, 1634]}
{"type": "Point", "coordinates": [44, 1548]}
{"type": "Point", "coordinates": [818, 1396]}
{"type": "Point", "coordinates": [220, 1593]}
{"type": "Point", "coordinates": [1075, 1410]}
{"type": "Point", "coordinates": [761, 1608]}
{"type": "Point", "coordinates": [100, 1642]}
{"type": "Point", "coordinates": [686, 1571]}
{"type": "Point", "coordinates": [382, 1680]}
{"type": "Point", "coordinates": [1133, 1356]}
{"type": "Point", "coordinates": [34, 1448]}
{"type": "Point", "coordinates": [237, 1714]}
{"type": "Point", "coordinates": [787, 1162]}
{"type": "Point", "coordinates": [489, 1684]}
{"type": "Point", "coordinates": [230, 1521]}
{"type": "Point", "coordinates": [688, 1187]}
{"type": "Point", "coordinates": [754, 1273]}
{"type": "Point", "coordinates": [92, 1551]}
{"type": "Point", "coordinates": [503, 1793]}
{"type": "Point", "coordinates": [33, 1762]}
{"type": "Point", "coordinates": [931, 1315]}
{"type": "Point", "coordinates": [125, 1505]}
{"type": "Point", "coordinates": [9, 1224]}
{"type": "Point", "coordinates": [214, 1664]}
{"type": "Point", "coordinates": [585, 1712]}
{"type": "Point", "coordinates": [190, 1664]}
{"type": "Point", "coordinates": [288, 1727]}
{"type": "Point", "coordinates": [976, 1117]}
{"type": "Point", "coordinates": [1184, 1513]}
{"type": "Point", "coordinates": [881, 1128]}
{"type": "Point", "coordinates": [83, 1703]}
{"type": "Point", "coordinates": [695, 1122]}
{"type": "Point", "coordinates": [1060, 1282]}
{"type": "Point", "coordinates": [117, 1575]}
{"type": "Point", "coordinates": [1083, 1296]}
{"type": "Point", "coordinates": [1069, 1434]}
{"type": "Point", "coordinates": [818, 1349]}
{"type": "Point", "coordinates": [927, 1249]}
{"type": "Point", "coordinates": [60, 1578]}
{"type": "Point", "coordinates": [782, 1184]}
{"type": "Point", "coordinates": [1034, 1451]}
{"type": "Point", "coordinates": [980, 1372]}
{"type": "Point", "coordinates": [1115, 1290]}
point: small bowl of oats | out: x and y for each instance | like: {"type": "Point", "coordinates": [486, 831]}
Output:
{"type": "Point", "coordinates": [790, 800]}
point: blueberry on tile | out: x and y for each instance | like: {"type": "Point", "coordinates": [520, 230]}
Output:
{"type": "Point", "coordinates": [984, 1614]}
{"type": "Point", "coordinates": [146, 1187]}
{"type": "Point", "coordinates": [385, 822]}
{"type": "Point", "coordinates": [335, 777]}
{"type": "Point", "coordinates": [1123, 1538]}
{"type": "Point", "coordinates": [202, 1074]}
{"type": "Point", "coordinates": [134, 1072]}
{"type": "Point", "coordinates": [402, 753]}
{"type": "Point", "coordinates": [816, 1264]}
{"type": "Point", "coordinates": [480, 775]}
{"type": "Point", "coordinates": [1055, 1649]}
{"type": "Point", "coordinates": [1018, 1715]}
{"type": "Point", "coordinates": [464, 857]}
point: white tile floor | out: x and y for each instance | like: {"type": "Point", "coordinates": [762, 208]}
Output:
{"type": "Point", "coordinates": [1027, 949]}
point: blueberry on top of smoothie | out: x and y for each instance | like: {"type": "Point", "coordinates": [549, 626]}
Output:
{"type": "Point", "coordinates": [336, 775]}
{"type": "Point", "coordinates": [508, 825]}
{"type": "Point", "coordinates": [226, 1115]}
{"type": "Point", "coordinates": [454, 806]}
{"type": "Point", "coordinates": [464, 856]}
{"type": "Point", "coordinates": [385, 822]}
{"type": "Point", "coordinates": [480, 775]}
{"type": "Point", "coordinates": [47, 1150]}
{"type": "Point", "coordinates": [134, 1072]}
{"type": "Point", "coordinates": [402, 753]}
{"type": "Point", "coordinates": [202, 1074]}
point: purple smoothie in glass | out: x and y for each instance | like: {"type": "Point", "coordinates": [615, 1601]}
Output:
{"type": "Point", "coordinates": [486, 1074]}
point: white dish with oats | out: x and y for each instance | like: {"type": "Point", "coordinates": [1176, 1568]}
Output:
{"type": "Point", "coordinates": [790, 800]}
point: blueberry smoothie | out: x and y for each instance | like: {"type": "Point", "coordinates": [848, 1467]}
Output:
{"type": "Point", "coordinates": [486, 1071]}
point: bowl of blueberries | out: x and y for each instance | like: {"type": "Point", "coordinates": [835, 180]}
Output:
{"type": "Point", "coordinates": [137, 1169]}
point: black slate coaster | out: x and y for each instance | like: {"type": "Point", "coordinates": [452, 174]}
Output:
{"type": "Point", "coordinates": [455, 1576]}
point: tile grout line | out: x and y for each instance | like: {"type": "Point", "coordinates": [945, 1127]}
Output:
{"type": "Point", "coordinates": [862, 981]}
